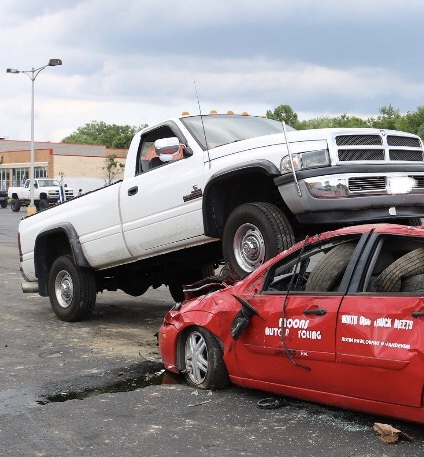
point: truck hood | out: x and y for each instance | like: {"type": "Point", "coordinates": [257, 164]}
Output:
{"type": "Point", "coordinates": [303, 139]}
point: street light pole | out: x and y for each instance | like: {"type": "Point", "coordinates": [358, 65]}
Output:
{"type": "Point", "coordinates": [32, 74]}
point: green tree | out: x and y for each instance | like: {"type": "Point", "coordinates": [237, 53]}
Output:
{"type": "Point", "coordinates": [112, 168]}
{"type": "Point", "coordinates": [333, 122]}
{"type": "Point", "coordinates": [109, 135]}
{"type": "Point", "coordinates": [389, 118]}
{"type": "Point", "coordinates": [413, 122]}
{"type": "Point", "coordinates": [284, 113]}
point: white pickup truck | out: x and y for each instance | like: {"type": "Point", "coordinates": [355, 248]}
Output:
{"type": "Point", "coordinates": [198, 189]}
{"type": "Point", "coordinates": [46, 193]}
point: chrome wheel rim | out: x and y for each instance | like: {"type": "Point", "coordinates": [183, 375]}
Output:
{"type": "Point", "coordinates": [196, 358]}
{"type": "Point", "coordinates": [249, 247]}
{"type": "Point", "coordinates": [64, 289]}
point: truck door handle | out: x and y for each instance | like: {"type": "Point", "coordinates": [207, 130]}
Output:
{"type": "Point", "coordinates": [417, 313]}
{"type": "Point", "coordinates": [132, 190]}
{"type": "Point", "coordinates": [316, 311]}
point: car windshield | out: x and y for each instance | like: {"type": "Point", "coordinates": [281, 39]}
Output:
{"type": "Point", "coordinates": [48, 183]}
{"type": "Point", "coordinates": [219, 129]}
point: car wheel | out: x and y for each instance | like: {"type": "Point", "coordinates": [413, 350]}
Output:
{"type": "Point", "coordinates": [204, 364]}
{"type": "Point", "coordinates": [253, 234]}
{"type": "Point", "coordinates": [43, 204]}
{"type": "Point", "coordinates": [15, 205]}
{"type": "Point", "coordinates": [176, 287]}
{"type": "Point", "coordinates": [411, 264]}
{"type": "Point", "coordinates": [328, 272]}
{"type": "Point", "coordinates": [4, 203]}
{"type": "Point", "coordinates": [72, 290]}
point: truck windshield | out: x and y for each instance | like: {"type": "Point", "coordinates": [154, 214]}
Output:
{"type": "Point", "coordinates": [222, 129]}
{"type": "Point", "coordinates": [48, 183]}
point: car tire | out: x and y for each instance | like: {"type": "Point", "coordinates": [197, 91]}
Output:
{"type": "Point", "coordinates": [176, 287]}
{"type": "Point", "coordinates": [72, 290]}
{"type": "Point", "coordinates": [411, 264]}
{"type": "Point", "coordinates": [203, 360]}
{"type": "Point", "coordinates": [253, 234]}
{"type": "Point", "coordinates": [329, 270]}
{"type": "Point", "coordinates": [43, 204]}
{"type": "Point", "coordinates": [414, 284]}
{"type": "Point", "coordinates": [15, 205]}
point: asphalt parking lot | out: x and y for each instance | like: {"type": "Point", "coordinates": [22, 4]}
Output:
{"type": "Point", "coordinates": [97, 388]}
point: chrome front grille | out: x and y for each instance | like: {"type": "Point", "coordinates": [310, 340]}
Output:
{"type": "Point", "coordinates": [367, 183]}
{"type": "Point", "coordinates": [378, 148]}
{"type": "Point", "coordinates": [348, 155]}
{"type": "Point", "coordinates": [410, 156]}
{"type": "Point", "coordinates": [406, 141]}
{"type": "Point", "coordinates": [359, 140]}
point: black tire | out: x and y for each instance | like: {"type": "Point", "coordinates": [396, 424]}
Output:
{"type": "Point", "coordinates": [411, 264]}
{"type": "Point", "coordinates": [43, 204]}
{"type": "Point", "coordinates": [414, 284]}
{"type": "Point", "coordinates": [329, 270]}
{"type": "Point", "coordinates": [253, 234]}
{"type": "Point", "coordinates": [203, 361]}
{"type": "Point", "coordinates": [3, 203]}
{"type": "Point", "coordinates": [72, 290]}
{"type": "Point", "coordinates": [15, 205]}
{"type": "Point", "coordinates": [176, 287]}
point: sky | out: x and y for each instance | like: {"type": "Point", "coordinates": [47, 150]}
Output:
{"type": "Point", "coordinates": [134, 62]}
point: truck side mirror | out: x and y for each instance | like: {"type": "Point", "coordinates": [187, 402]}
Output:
{"type": "Point", "coordinates": [167, 147]}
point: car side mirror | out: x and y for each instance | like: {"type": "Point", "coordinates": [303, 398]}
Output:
{"type": "Point", "coordinates": [167, 147]}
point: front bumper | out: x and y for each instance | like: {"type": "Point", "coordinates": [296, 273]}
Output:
{"type": "Point", "coordinates": [352, 196]}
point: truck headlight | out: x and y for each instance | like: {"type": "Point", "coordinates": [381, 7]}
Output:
{"type": "Point", "coordinates": [305, 160]}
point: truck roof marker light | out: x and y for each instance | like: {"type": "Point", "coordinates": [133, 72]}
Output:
{"type": "Point", "coordinates": [214, 111]}
{"type": "Point", "coordinates": [245, 113]}
{"type": "Point", "coordinates": [185, 113]}
{"type": "Point", "coordinates": [230, 112]}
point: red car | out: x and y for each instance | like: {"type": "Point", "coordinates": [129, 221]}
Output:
{"type": "Point", "coordinates": [337, 319]}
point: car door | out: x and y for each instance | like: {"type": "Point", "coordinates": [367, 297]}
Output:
{"type": "Point", "coordinates": [379, 340]}
{"type": "Point", "coordinates": [291, 340]}
{"type": "Point", "coordinates": [161, 207]}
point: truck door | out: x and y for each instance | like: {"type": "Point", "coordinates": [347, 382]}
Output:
{"type": "Point", "coordinates": [161, 207]}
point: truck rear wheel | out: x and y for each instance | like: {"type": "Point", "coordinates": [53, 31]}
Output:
{"type": "Point", "coordinates": [72, 290]}
{"type": "Point", "coordinates": [253, 234]}
{"type": "Point", "coordinates": [15, 205]}
{"type": "Point", "coordinates": [3, 203]}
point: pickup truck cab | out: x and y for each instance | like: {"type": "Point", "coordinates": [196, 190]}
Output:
{"type": "Point", "coordinates": [198, 190]}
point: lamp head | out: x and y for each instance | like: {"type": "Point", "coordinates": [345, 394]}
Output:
{"type": "Point", "coordinates": [54, 62]}
{"type": "Point", "coordinates": [12, 70]}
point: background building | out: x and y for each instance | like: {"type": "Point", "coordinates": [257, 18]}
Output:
{"type": "Point", "coordinates": [82, 165]}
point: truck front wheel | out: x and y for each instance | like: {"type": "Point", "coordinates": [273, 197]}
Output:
{"type": "Point", "coordinates": [253, 234]}
{"type": "Point", "coordinates": [72, 290]}
{"type": "Point", "coordinates": [15, 205]}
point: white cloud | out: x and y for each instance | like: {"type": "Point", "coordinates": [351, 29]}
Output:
{"type": "Point", "coordinates": [135, 61]}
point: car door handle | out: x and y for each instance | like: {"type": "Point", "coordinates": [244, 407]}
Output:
{"type": "Point", "coordinates": [132, 190]}
{"type": "Point", "coordinates": [417, 314]}
{"type": "Point", "coordinates": [316, 311]}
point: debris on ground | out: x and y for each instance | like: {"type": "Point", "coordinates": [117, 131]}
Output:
{"type": "Point", "coordinates": [389, 434]}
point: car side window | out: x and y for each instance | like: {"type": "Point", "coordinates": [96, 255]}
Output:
{"type": "Point", "coordinates": [148, 157]}
{"type": "Point", "coordinates": [319, 268]}
{"type": "Point", "coordinates": [396, 266]}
